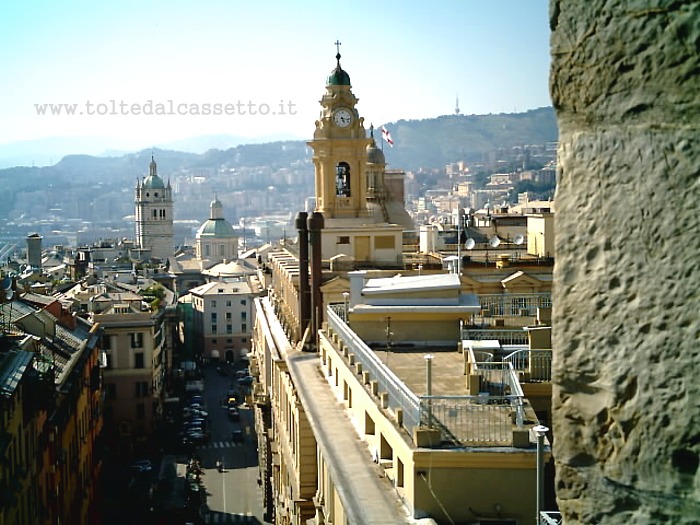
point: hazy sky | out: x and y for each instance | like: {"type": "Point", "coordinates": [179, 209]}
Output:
{"type": "Point", "coordinates": [406, 60]}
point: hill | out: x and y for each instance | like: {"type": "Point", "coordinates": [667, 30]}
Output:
{"type": "Point", "coordinates": [439, 141]}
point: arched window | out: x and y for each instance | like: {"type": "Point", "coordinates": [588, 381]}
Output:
{"type": "Point", "coordinates": [342, 179]}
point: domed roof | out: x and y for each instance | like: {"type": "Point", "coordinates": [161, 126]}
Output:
{"type": "Point", "coordinates": [216, 228]}
{"type": "Point", "coordinates": [374, 154]}
{"type": "Point", "coordinates": [338, 76]}
{"type": "Point", "coordinates": [153, 181]}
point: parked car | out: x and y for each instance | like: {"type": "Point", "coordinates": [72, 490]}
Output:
{"type": "Point", "coordinates": [246, 381]}
{"type": "Point", "coordinates": [189, 412]}
{"type": "Point", "coordinates": [141, 465]}
{"type": "Point", "coordinates": [195, 438]}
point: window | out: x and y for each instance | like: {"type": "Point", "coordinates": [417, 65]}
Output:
{"type": "Point", "coordinates": [243, 315]}
{"type": "Point", "coordinates": [213, 317]}
{"type": "Point", "coordinates": [244, 327]}
{"type": "Point", "coordinates": [213, 329]}
{"type": "Point", "coordinates": [243, 302]}
{"type": "Point", "coordinates": [342, 179]}
{"type": "Point", "coordinates": [244, 339]}
{"type": "Point", "coordinates": [228, 316]}
{"type": "Point", "coordinates": [229, 329]}
{"type": "Point", "coordinates": [140, 411]}
{"type": "Point", "coordinates": [213, 341]}
{"type": "Point", "coordinates": [141, 389]}
{"type": "Point", "coordinates": [138, 360]}
{"type": "Point", "coordinates": [228, 303]}
{"type": "Point", "coordinates": [344, 239]}
{"type": "Point", "coordinates": [136, 339]}
{"type": "Point", "coordinates": [229, 340]}
{"type": "Point", "coordinates": [213, 304]}
{"type": "Point", "coordinates": [384, 242]}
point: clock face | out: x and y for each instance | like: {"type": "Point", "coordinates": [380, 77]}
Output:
{"type": "Point", "coordinates": [342, 117]}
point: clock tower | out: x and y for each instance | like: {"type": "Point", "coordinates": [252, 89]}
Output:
{"type": "Point", "coordinates": [339, 147]}
{"type": "Point", "coordinates": [352, 231]}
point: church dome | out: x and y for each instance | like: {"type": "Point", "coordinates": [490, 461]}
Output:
{"type": "Point", "coordinates": [216, 227]}
{"type": "Point", "coordinates": [338, 76]}
{"type": "Point", "coordinates": [374, 154]}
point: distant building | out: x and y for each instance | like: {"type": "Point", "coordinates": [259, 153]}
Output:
{"type": "Point", "coordinates": [216, 239]}
{"type": "Point", "coordinates": [34, 250]}
{"type": "Point", "coordinates": [154, 216]}
{"type": "Point", "coordinates": [222, 319]}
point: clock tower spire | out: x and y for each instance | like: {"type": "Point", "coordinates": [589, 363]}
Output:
{"type": "Point", "coordinates": [339, 150]}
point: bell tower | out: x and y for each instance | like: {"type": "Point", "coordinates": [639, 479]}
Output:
{"type": "Point", "coordinates": [354, 234]}
{"type": "Point", "coordinates": [339, 147]}
{"type": "Point", "coordinates": [154, 214]}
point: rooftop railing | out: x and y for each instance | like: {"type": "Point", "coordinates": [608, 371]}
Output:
{"type": "Point", "coordinates": [400, 396]}
{"type": "Point", "coordinates": [485, 419]}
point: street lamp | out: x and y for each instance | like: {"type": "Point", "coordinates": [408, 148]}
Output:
{"type": "Point", "coordinates": [540, 432]}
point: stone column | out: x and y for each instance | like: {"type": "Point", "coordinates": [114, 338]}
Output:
{"type": "Point", "coordinates": [625, 82]}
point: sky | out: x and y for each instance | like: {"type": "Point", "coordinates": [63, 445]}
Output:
{"type": "Point", "coordinates": [406, 60]}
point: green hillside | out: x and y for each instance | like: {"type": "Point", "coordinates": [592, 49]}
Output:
{"type": "Point", "coordinates": [438, 141]}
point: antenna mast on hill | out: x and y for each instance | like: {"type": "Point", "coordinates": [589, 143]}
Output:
{"type": "Point", "coordinates": [457, 105]}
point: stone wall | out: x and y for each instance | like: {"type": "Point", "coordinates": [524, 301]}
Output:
{"type": "Point", "coordinates": [625, 82]}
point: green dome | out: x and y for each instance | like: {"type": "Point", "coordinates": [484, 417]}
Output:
{"type": "Point", "coordinates": [217, 228]}
{"type": "Point", "coordinates": [153, 183]}
{"type": "Point", "coordinates": [338, 76]}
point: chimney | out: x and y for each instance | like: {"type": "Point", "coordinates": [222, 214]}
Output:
{"type": "Point", "coordinates": [304, 289]}
{"type": "Point", "coordinates": [315, 225]}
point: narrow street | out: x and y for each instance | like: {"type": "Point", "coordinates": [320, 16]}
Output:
{"type": "Point", "coordinates": [233, 493]}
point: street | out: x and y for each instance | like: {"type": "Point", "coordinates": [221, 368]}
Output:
{"type": "Point", "coordinates": [233, 494]}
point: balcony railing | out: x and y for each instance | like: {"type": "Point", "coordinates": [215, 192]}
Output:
{"type": "Point", "coordinates": [514, 304]}
{"type": "Point", "coordinates": [536, 363]}
{"type": "Point", "coordinates": [505, 337]}
{"type": "Point", "coordinates": [484, 419]}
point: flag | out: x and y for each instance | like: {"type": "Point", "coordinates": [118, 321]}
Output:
{"type": "Point", "coordinates": [387, 136]}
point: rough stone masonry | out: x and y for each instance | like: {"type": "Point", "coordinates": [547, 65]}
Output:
{"type": "Point", "coordinates": [625, 82]}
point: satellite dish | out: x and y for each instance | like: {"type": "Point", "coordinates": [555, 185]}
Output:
{"type": "Point", "coordinates": [494, 241]}
{"type": "Point", "coordinates": [470, 243]}
{"type": "Point", "coordinates": [519, 239]}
